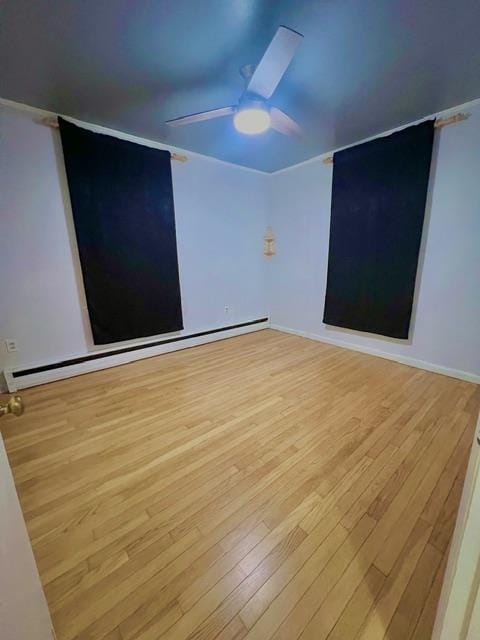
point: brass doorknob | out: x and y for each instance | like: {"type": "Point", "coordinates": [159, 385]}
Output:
{"type": "Point", "coordinates": [14, 405]}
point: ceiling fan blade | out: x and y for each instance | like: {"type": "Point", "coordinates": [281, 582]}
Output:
{"type": "Point", "coordinates": [285, 124]}
{"type": "Point", "coordinates": [199, 117]}
{"type": "Point", "coordinates": [274, 63]}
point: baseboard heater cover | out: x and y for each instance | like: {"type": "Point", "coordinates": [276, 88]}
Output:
{"type": "Point", "coordinates": [135, 347]}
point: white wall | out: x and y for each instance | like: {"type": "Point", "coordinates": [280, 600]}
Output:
{"type": "Point", "coordinates": [459, 605]}
{"type": "Point", "coordinates": [220, 217]}
{"type": "Point", "coordinates": [445, 328]}
{"type": "Point", "coordinates": [24, 612]}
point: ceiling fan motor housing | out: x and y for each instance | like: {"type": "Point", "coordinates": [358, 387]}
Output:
{"type": "Point", "coordinates": [251, 101]}
{"type": "Point", "coordinates": [247, 71]}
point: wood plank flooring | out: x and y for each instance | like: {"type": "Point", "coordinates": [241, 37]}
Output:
{"type": "Point", "coordinates": [265, 487]}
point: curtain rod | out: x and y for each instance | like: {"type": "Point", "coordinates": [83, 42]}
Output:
{"type": "Point", "coordinates": [438, 124]}
{"type": "Point", "coordinates": [53, 123]}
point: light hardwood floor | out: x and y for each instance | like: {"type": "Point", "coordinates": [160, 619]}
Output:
{"type": "Point", "coordinates": [262, 487]}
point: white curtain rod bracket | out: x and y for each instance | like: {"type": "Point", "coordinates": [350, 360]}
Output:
{"type": "Point", "coordinates": [53, 123]}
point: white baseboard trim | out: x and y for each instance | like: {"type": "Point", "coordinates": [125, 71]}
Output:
{"type": "Point", "coordinates": [114, 360]}
{"type": "Point", "coordinates": [9, 381]}
{"type": "Point", "coordinates": [411, 362]}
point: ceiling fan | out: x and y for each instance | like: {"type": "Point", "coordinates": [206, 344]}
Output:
{"type": "Point", "coordinates": [253, 115]}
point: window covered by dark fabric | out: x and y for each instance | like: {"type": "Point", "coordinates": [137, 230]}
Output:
{"type": "Point", "coordinates": [122, 202]}
{"type": "Point", "coordinates": [379, 193]}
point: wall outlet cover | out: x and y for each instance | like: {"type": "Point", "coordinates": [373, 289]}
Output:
{"type": "Point", "coordinates": [11, 345]}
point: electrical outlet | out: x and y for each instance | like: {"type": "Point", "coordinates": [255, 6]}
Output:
{"type": "Point", "coordinates": [227, 309]}
{"type": "Point", "coordinates": [11, 345]}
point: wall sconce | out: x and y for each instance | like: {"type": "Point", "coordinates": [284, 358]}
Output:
{"type": "Point", "coordinates": [269, 243]}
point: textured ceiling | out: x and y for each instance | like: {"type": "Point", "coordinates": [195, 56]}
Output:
{"type": "Point", "coordinates": [364, 66]}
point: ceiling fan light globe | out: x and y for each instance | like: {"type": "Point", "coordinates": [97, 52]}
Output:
{"type": "Point", "coordinates": [252, 120]}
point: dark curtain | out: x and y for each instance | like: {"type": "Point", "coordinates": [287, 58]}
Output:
{"type": "Point", "coordinates": [122, 202]}
{"type": "Point", "coordinates": [379, 193]}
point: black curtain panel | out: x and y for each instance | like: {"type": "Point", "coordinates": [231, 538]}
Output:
{"type": "Point", "coordinates": [122, 202]}
{"type": "Point", "coordinates": [379, 193]}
